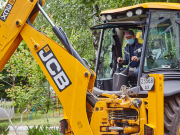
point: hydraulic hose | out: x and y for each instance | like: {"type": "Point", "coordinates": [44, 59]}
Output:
{"type": "Point", "coordinates": [64, 39]}
{"type": "Point", "coordinates": [91, 98]}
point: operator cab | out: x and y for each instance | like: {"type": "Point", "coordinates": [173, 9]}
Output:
{"type": "Point", "coordinates": [112, 47]}
{"type": "Point", "coordinates": [156, 26]}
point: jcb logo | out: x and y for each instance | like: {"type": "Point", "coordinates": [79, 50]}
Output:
{"type": "Point", "coordinates": [54, 68]}
{"type": "Point", "coordinates": [7, 10]}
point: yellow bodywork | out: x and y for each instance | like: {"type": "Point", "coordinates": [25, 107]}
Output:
{"type": "Point", "coordinates": [153, 104]}
{"type": "Point", "coordinates": [9, 32]}
{"type": "Point", "coordinates": [152, 5]}
{"type": "Point", "coordinates": [73, 97]}
{"type": "Point", "coordinates": [156, 105]}
{"type": "Point", "coordinates": [100, 118]}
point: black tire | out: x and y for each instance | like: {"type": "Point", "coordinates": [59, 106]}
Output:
{"type": "Point", "coordinates": [172, 115]}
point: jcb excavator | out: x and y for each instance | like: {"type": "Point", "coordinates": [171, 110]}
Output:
{"type": "Point", "coordinates": [111, 103]}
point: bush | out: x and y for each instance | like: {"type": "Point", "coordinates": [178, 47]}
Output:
{"type": "Point", "coordinates": [44, 130]}
{"type": "Point", "coordinates": [4, 129]}
{"type": "Point", "coordinates": [34, 130]}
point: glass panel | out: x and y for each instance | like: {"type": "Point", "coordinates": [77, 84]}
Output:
{"type": "Point", "coordinates": [106, 55]}
{"type": "Point", "coordinates": [162, 50]}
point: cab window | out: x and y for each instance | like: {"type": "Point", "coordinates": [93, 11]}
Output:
{"type": "Point", "coordinates": [106, 55]}
{"type": "Point", "coordinates": [163, 48]}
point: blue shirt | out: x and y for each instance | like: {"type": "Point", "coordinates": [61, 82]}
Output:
{"type": "Point", "coordinates": [131, 50]}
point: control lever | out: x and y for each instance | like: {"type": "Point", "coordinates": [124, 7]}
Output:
{"type": "Point", "coordinates": [126, 70]}
{"type": "Point", "coordinates": [118, 67]}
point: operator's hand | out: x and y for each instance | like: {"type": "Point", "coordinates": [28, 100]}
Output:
{"type": "Point", "coordinates": [120, 60]}
{"type": "Point", "coordinates": [134, 58]}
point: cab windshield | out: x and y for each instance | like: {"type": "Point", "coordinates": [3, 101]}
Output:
{"type": "Point", "coordinates": [163, 47]}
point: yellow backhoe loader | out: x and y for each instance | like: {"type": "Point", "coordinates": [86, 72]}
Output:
{"type": "Point", "coordinates": [111, 103]}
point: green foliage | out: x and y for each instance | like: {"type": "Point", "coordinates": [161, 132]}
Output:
{"type": "Point", "coordinates": [74, 18]}
{"type": "Point", "coordinates": [34, 130]}
{"type": "Point", "coordinates": [55, 131]}
{"type": "Point", "coordinates": [4, 129]}
{"type": "Point", "coordinates": [3, 84]}
{"type": "Point", "coordinates": [31, 88]}
{"type": "Point", "coordinates": [42, 131]}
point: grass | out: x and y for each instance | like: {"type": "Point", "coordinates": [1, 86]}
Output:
{"type": "Point", "coordinates": [37, 119]}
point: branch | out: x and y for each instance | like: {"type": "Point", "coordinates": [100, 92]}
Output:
{"type": "Point", "coordinates": [21, 118]}
{"type": "Point", "coordinates": [42, 85]}
{"type": "Point", "coordinates": [7, 83]}
{"type": "Point", "coordinates": [9, 78]}
{"type": "Point", "coordinates": [11, 122]}
{"type": "Point", "coordinates": [10, 111]}
{"type": "Point", "coordinates": [82, 50]}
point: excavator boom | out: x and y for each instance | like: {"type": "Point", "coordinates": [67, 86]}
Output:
{"type": "Point", "coordinates": [70, 84]}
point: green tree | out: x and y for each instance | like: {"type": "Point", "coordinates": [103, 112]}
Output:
{"type": "Point", "coordinates": [31, 88]}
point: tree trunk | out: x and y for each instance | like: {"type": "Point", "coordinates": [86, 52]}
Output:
{"type": "Point", "coordinates": [96, 33]}
{"type": "Point", "coordinates": [9, 117]}
{"type": "Point", "coordinates": [47, 118]}
{"type": "Point", "coordinates": [48, 103]}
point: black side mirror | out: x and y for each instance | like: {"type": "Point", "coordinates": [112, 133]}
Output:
{"type": "Point", "coordinates": [178, 61]}
{"type": "Point", "coordinates": [177, 20]}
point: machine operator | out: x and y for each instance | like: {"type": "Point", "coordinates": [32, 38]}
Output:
{"type": "Point", "coordinates": [132, 52]}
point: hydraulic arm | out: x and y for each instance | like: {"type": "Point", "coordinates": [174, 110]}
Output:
{"type": "Point", "coordinates": [70, 84]}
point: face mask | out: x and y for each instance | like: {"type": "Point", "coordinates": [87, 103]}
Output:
{"type": "Point", "coordinates": [130, 41]}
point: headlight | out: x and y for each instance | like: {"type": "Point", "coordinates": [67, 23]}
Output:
{"type": "Point", "coordinates": [129, 13]}
{"type": "Point", "coordinates": [103, 18]}
{"type": "Point", "coordinates": [139, 11]}
{"type": "Point", "coordinates": [109, 17]}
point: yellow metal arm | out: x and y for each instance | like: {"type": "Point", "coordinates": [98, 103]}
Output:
{"type": "Point", "coordinates": [69, 78]}
{"type": "Point", "coordinates": [65, 74]}
{"type": "Point", "coordinates": [12, 20]}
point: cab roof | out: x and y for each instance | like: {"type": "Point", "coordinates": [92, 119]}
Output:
{"type": "Point", "coordinates": [150, 5]}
